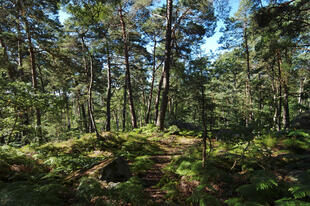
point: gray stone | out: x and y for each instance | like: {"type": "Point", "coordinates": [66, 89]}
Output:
{"type": "Point", "coordinates": [116, 170]}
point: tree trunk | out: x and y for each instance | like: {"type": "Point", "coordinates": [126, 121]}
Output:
{"type": "Point", "coordinates": [90, 98]}
{"type": "Point", "coordinates": [301, 90]}
{"type": "Point", "coordinates": [127, 74]}
{"type": "Point", "coordinates": [204, 125]}
{"type": "Point", "coordinates": [66, 99]}
{"type": "Point", "coordinates": [116, 120]}
{"type": "Point", "coordinates": [124, 106]}
{"type": "Point", "coordinates": [84, 119]}
{"type": "Point", "coordinates": [33, 75]}
{"type": "Point", "coordinates": [152, 83]}
{"type": "Point", "coordinates": [166, 73]}
{"type": "Point", "coordinates": [248, 71]}
{"type": "Point", "coordinates": [279, 110]}
{"type": "Point", "coordinates": [160, 84]}
{"type": "Point", "coordinates": [109, 94]}
{"type": "Point", "coordinates": [286, 113]}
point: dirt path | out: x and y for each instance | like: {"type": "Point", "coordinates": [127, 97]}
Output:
{"type": "Point", "coordinates": [172, 147]}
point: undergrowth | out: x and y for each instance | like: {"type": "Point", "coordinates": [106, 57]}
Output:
{"type": "Point", "coordinates": [268, 169]}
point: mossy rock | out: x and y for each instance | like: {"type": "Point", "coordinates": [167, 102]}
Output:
{"type": "Point", "coordinates": [116, 170]}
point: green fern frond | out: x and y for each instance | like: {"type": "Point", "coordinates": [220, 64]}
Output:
{"type": "Point", "coordinates": [263, 180]}
{"type": "Point", "coordinates": [240, 202]}
{"type": "Point", "coordinates": [203, 198]}
{"type": "Point", "coordinates": [300, 191]}
{"type": "Point", "coordinates": [290, 202]}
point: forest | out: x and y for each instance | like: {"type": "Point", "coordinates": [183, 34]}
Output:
{"type": "Point", "coordinates": [118, 102]}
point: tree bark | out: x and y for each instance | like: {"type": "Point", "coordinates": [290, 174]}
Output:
{"type": "Point", "coordinates": [248, 71]}
{"type": "Point", "coordinates": [286, 113]}
{"type": "Point", "coordinates": [33, 74]}
{"type": "Point", "coordinates": [301, 90]}
{"type": "Point", "coordinates": [166, 73]}
{"type": "Point", "coordinates": [116, 120]}
{"type": "Point", "coordinates": [204, 125]}
{"type": "Point", "coordinates": [152, 83]}
{"type": "Point", "coordinates": [109, 94]}
{"type": "Point", "coordinates": [66, 99]}
{"type": "Point", "coordinates": [84, 119]}
{"type": "Point", "coordinates": [279, 110]}
{"type": "Point", "coordinates": [127, 73]}
{"type": "Point", "coordinates": [160, 84]}
{"type": "Point", "coordinates": [90, 98]}
{"type": "Point", "coordinates": [124, 106]}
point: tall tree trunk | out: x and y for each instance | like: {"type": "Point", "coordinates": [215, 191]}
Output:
{"type": "Point", "coordinates": [33, 74]}
{"type": "Point", "coordinates": [84, 118]}
{"type": "Point", "coordinates": [24, 115]}
{"type": "Point", "coordinates": [248, 71]}
{"type": "Point", "coordinates": [204, 125]}
{"type": "Point", "coordinates": [127, 74]}
{"type": "Point", "coordinates": [124, 106]}
{"type": "Point", "coordinates": [90, 98]}
{"type": "Point", "coordinates": [116, 120]}
{"type": "Point", "coordinates": [279, 110]}
{"type": "Point", "coordinates": [152, 83]}
{"type": "Point", "coordinates": [301, 90]}
{"type": "Point", "coordinates": [166, 74]}
{"type": "Point", "coordinates": [286, 113]}
{"type": "Point", "coordinates": [160, 84]}
{"type": "Point", "coordinates": [41, 79]}
{"type": "Point", "coordinates": [67, 111]}
{"type": "Point", "coordinates": [109, 94]}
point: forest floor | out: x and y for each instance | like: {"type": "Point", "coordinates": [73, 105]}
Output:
{"type": "Point", "coordinates": [166, 169]}
{"type": "Point", "coordinates": [173, 147]}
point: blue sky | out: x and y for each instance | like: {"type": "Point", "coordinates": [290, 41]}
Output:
{"type": "Point", "coordinates": [210, 44]}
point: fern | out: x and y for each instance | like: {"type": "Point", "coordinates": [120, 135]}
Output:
{"type": "Point", "coordinates": [290, 202]}
{"type": "Point", "coordinates": [131, 191]}
{"type": "Point", "coordinates": [88, 189]}
{"type": "Point", "coordinates": [240, 202]}
{"type": "Point", "coordinates": [201, 197]}
{"type": "Point", "coordinates": [263, 180]}
{"type": "Point", "coordinates": [300, 191]}
{"type": "Point", "coordinates": [26, 193]}
{"type": "Point", "coordinates": [263, 187]}
{"type": "Point", "coordinates": [141, 164]}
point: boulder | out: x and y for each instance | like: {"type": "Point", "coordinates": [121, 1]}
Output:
{"type": "Point", "coordinates": [302, 121]}
{"type": "Point", "coordinates": [116, 170]}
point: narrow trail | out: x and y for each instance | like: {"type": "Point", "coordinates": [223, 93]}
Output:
{"type": "Point", "coordinates": [172, 148]}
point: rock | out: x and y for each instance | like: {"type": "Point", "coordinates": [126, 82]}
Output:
{"type": "Point", "coordinates": [116, 170]}
{"type": "Point", "coordinates": [302, 121]}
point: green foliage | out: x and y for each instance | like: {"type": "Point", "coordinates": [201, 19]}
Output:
{"type": "Point", "coordinates": [299, 134]}
{"type": "Point", "coordinates": [173, 129]}
{"type": "Point", "coordinates": [300, 191]}
{"type": "Point", "coordinates": [29, 193]}
{"type": "Point", "coordinates": [149, 129]}
{"type": "Point", "coordinates": [263, 187]}
{"type": "Point", "coordinates": [240, 202]}
{"type": "Point", "coordinates": [88, 189]}
{"type": "Point", "coordinates": [268, 140]}
{"type": "Point", "coordinates": [14, 164]}
{"type": "Point", "coordinates": [141, 164]}
{"type": "Point", "coordinates": [302, 188]}
{"type": "Point", "coordinates": [201, 197]}
{"type": "Point", "coordinates": [290, 202]}
{"type": "Point", "coordinates": [137, 145]}
{"type": "Point", "coordinates": [172, 191]}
